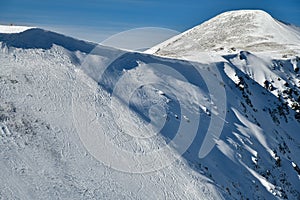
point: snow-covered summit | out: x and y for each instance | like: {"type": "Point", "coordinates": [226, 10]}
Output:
{"type": "Point", "coordinates": [13, 28]}
{"type": "Point", "coordinates": [250, 30]}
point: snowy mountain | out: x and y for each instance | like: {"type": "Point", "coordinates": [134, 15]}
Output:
{"type": "Point", "coordinates": [213, 114]}
{"type": "Point", "coordinates": [248, 30]}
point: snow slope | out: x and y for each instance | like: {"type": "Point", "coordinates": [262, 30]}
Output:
{"type": "Point", "coordinates": [249, 30]}
{"type": "Point", "coordinates": [58, 93]}
{"type": "Point", "coordinates": [46, 100]}
{"type": "Point", "coordinates": [13, 29]}
{"type": "Point", "coordinates": [256, 50]}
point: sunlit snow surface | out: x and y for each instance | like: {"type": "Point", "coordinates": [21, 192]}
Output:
{"type": "Point", "coordinates": [13, 29]}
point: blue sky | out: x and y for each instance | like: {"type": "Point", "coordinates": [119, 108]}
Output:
{"type": "Point", "coordinates": [97, 19]}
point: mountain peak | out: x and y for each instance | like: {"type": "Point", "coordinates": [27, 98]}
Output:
{"type": "Point", "coordinates": [250, 30]}
{"type": "Point", "coordinates": [255, 13]}
{"type": "Point", "coordinates": [244, 18]}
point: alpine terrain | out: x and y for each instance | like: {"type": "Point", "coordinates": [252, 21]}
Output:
{"type": "Point", "coordinates": [212, 113]}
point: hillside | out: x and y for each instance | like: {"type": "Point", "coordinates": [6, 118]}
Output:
{"type": "Point", "coordinates": [193, 121]}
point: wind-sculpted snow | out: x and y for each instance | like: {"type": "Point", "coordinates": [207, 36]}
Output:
{"type": "Point", "coordinates": [84, 121]}
{"type": "Point", "coordinates": [41, 145]}
{"type": "Point", "coordinates": [249, 30]}
{"type": "Point", "coordinates": [41, 39]}
{"type": "Point", "coordinates": [174, 92]}
{"type": "Point", "coordinates": [51, 89]}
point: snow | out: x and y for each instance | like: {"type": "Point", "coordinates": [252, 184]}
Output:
{"type": "Point", "coordinates": [270, 187]}
{"type": "Point", "coordinates": [251, 130]}
{"type": "Point", "coordinates": [229, 32]}
{"type": "Point", "coordinates": [52, 93]}
{"type": "Point", "coordinates": [4, 130]}
{"type": "Point", "coordinates": [75, 125]}
{"type": "Point", "coordinates": [231, 73]}
{"type": "Point", "coordinates": [13, 29]}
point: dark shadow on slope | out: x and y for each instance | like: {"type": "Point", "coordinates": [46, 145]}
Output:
{"type": "Point", "coordinates": [285, 23]}
{"type": "Point", "coordinates": [213, 166]}
{"type": "Point", "coordinates": [128, 61]}
{"type": "Point", "coordinates": [42, 39]}
{"type": "Point", "coordinates": [255, 103]}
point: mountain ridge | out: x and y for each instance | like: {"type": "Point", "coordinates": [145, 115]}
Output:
{"type": "Point", "coordinates": [49, 105]}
